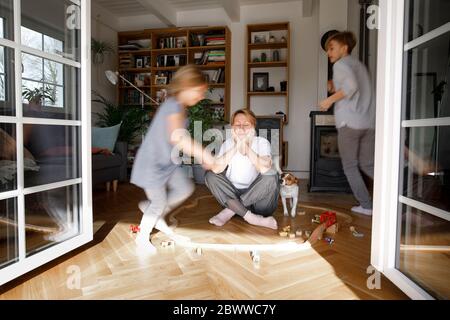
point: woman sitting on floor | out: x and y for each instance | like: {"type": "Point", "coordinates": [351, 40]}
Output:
{"type": "Point", "coordinates": [242, 179]}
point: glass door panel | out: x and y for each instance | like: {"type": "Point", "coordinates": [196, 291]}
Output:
{"type": "Point", "coordinates": [9, 250]}
{"type": "Point", "coordinates": [423, 228]}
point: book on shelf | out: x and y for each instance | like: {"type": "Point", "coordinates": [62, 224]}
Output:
{"type": "Point", "coordinates": [214, 39]}
{"type": "Point", "coordinates": [215, 76]}
{"type": "Point", "coordinates": [172, 42]}
{"type": "Point", "coordinates": [208, 57]}
{"type": "Point", "coordinates": [170, 60]}
{"type": "Point", "coordinates": [138, 44]}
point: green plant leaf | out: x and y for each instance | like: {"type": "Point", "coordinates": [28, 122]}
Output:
{"type": "Point", "coordinates": [134, 120]}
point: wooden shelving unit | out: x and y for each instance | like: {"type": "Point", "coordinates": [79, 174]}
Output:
{"type": "Point", "coordinates": [277, 30]}
{"type": "Point", "coordinates": [270, 40]}
{"type": "Point", "coordinates": [164, 55]}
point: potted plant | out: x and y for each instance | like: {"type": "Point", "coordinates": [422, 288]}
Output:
{"type": "Point", "coordinates": [200, 112]}
{"type": "Point", "coordinates": [135, 120]}
{"type": "Point", "coordinates": [36, 96]}
{"type": "Point", "coordinates": [99, 50]}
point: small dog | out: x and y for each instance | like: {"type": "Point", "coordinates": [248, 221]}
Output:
{"type": "Point", "coordinates": [289, 190]}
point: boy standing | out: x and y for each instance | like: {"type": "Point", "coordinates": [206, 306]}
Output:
{"type": "Point", "coordinates": [355, 115]}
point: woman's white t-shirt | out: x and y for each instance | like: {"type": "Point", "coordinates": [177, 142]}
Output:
{"type": "Point", "coordinates": [241, 171]}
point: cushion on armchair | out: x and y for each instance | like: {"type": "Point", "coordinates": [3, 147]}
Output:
{"type": "Point", "coordinates": [105, 138]}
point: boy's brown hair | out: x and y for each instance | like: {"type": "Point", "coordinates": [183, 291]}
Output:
{"type": "Point", "coordinates": [186, 77]}
{"type": "Point", "coordinates": [246, 112]}
{"type": "Point", "coordinates": [345, 38]}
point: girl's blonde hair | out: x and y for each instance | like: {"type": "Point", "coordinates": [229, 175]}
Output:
{"type": "Point", "coordinates": [246, 112]}
{"type": "Point", "coordinates": [188, 76]}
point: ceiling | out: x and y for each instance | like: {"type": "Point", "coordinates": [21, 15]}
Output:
{"type": "Point", "coordinates": [125, 8]}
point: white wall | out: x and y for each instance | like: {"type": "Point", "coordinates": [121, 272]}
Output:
{"type": "Point", "coordinates": [104, 27]}
{"type": "Point", "coordinates": [333, 15]}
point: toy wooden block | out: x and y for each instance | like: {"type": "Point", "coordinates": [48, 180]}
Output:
{"type": "Point", "coordinates": [283, 234]}
{"type": "Point", "coordinates": [287, 229]}
{"type": "Point", "coordinates": [299, 233]}
{"type": "Point", "coordinates": [355, 233]}
{"type": "Point", "coordinates": [199, 251]}
{"type": "Point", "coordinates": [256, 258]}
{"type": "Point", "coordinates": [291, 235]}
{"type": "Point", "coordinates": [307, 233]}
{"type": "Point", "coordinates": [301, 213]}
{"type": "Point", "coordinates": [167, 243]}
{"type": "Point", "coordinates": [317, 234]}
{"type": "Point", "coordinates": [333, 229]}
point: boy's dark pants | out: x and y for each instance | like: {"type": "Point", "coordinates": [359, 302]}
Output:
{"type": "Point", "coordinates": [356, 148]}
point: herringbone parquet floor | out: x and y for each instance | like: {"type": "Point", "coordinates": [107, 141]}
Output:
{"type": "Point", "coordinates": [111, 269]}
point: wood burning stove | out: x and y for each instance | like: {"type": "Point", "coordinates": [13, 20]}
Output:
{"type": "Point", "coordinates": [326, 173]}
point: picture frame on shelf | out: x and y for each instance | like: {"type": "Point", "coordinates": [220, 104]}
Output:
{"type": "Point", "coordinates": [147, 62]}
{"type": "Point", "coordinates": [139, 62]}
{"type": "Point", "coordinates": [160, 80]}
{"type": "Point", "coordinates": [260, 81]}
{"type": "Point", "coordinates": [260, 37]}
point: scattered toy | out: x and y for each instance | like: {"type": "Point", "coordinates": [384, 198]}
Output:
{"type": "Point", "coordinates": [256, 258]}
{"type": "Point", "coordinates": [291, 235]}
{"type": "Point", "coordinates": [283, 234]}
{"type": "Point", "coordinates": [299, 233]}
{"type": "Point", "coordinates": [134, 229]}
{"type": "Point", "coordinates": [333, 229]}
{"type": "Point", "coordinates": [287, 228]}
{"type": "Point", "coordinates": [301, 213]}
{"type": "Point", "coordinates": [329, 240]}
{"type": "Point", "coordinates": [315, 220]}
{"type": "Point", "coordinates": [317, 234]}
{"type": "Point", "coordinates": [199, 251]}
{"type": "Point", "coordinates": [167, 243]}
{"type": "Point", "coordinates": [329, 218]}
{"type": "Point", "coordinates": [355, 233]}
{"type": "Point", "coordinates": [307, 233]}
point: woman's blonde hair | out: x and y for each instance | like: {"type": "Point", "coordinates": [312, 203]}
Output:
{"type": "Point", "coordinates": [246, 112]}
{"type": "Point", "coordinates": [188, 76]}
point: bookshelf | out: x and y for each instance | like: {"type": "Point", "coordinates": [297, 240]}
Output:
{"type": "Point", "coordinates": [267, 75]}
{"type": "Point", "coordinates": [149, 58]}
{"type": "Point", "coordinates": [268, 47]}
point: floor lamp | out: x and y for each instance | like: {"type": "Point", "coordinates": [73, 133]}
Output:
{"type": "Point", "coordinates": [113, 77]}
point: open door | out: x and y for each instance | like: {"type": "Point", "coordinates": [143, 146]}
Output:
{"type": "Point", "coordinates": [411, 231]}
{"type": "Point", "coordinates": [45, 165]}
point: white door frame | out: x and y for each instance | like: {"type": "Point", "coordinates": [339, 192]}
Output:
{"type": "Point", "coordinates": [26, 264]}
{"type": "Point", "coordinates": [389, 104]}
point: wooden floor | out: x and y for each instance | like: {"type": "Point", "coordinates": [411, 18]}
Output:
{"type": "Point", "coordinates": [111, 268]}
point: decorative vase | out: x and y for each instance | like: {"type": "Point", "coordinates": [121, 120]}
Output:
{"type": "Point", "coordinates": [263, 57]}
{"type": "Point", "coordinates": [276, 56]}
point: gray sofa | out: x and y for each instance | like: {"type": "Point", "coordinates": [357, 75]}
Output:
{"type": "Point", "coordinates": [110, 168]}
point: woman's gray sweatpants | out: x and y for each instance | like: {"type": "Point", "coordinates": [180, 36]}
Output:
{"type": "Point", "coordinates": [260, 198]}
{"type": "Point", "coordinates": [356, 148]}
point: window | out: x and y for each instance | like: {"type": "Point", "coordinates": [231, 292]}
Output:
{"type": "Point", "coordinates": [43, 80]}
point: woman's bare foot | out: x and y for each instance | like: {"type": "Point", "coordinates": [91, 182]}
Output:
{"type": "Point", "coordinates": [222, 218]}
{"type": "Point", "coordinates": [257, 220]}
